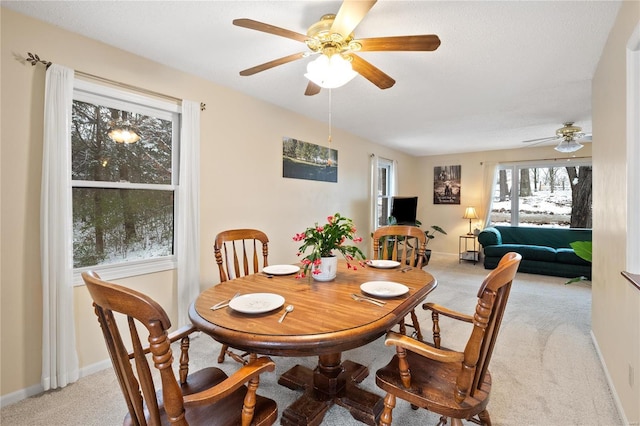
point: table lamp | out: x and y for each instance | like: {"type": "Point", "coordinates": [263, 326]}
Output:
{"type": "Point", "coordinates": [470, 213]}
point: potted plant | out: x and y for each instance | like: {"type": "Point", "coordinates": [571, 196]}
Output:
{"type": "Point", "coordinates": [583, 250]}
{"type": "Point", "coordinates": [323, 240]}
{"type": "Point", "coordinates": [429, 233]}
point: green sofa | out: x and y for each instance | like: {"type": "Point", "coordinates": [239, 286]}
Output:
{"type": "Point", "coordinates": [545, 251]}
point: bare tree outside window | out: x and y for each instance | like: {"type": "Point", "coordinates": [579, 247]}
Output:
{"type": "Point", "coordinates": [123, 199]}
{"type": "Point", "coordinates": [559, 196]}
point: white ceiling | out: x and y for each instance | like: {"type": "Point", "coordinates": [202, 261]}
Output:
{"type": "Point", "coordinates": [506, 71]}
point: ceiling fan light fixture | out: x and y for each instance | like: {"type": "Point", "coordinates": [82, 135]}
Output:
{"type": "Point", "coordinates": [330, 72]}
{"type": "Point", "coordinates": [568, 145]}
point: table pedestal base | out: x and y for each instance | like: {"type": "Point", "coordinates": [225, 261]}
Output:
{"type": "Point", "coordinates": [332, 382]}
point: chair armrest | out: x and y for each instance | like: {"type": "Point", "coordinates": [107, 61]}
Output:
{"type": "Point", "coordinates": [231, 383]}
{"type": "Point", "coordinates": [422, 348]}
{"type": "Point", "coordinates": [447, 312]}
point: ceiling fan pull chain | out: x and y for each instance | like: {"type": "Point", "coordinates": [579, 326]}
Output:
{"type": "Point", "coordinates": [329, 118]}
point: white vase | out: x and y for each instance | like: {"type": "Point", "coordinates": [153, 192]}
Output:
{"type": "Point", "coordinates": [328, 268]}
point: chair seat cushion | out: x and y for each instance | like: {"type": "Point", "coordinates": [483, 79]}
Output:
{"type": "Point", "coordinates": [433, 386]}
{"type": "Point", "coordinates": [528, 252]}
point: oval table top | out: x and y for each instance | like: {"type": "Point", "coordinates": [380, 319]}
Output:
{"type": "Point", "coordinates": [326, 318]}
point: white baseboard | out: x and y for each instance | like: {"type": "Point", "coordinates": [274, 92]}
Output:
{"type": "Point", "coordinates": [616, 399]}
{"type": "Point", "coordinates": [34, 390]}
{"type": "Point", "coordinates": [21, 394]}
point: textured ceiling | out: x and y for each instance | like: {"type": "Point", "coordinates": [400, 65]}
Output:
{"type": "Point", "coordinates": [506, 71]}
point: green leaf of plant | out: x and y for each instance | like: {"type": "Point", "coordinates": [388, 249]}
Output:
{"type": "Point", "coordinates": [582, 249]}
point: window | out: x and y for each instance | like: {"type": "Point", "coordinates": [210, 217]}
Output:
{"type": "Point", "coordinates": [385, 191]}
{"type": "Point", "coordinates": [543, 194]}
{"type": "Point", "coordinates": [123, 195]}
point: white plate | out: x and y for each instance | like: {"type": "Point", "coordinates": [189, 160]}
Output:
{"type": "Point", "coordinates": [281, 269]}
{"type": "Point", "coordinates": [256, 303]}
{"type": "Point", "coordinates": [384, 288]}
{"type": "Point", "coordinates": [383, 264]}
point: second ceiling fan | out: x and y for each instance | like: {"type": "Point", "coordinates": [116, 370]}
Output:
{"type": "Point", "coordinates": [567, 137]}
{"type": "Point", "coordinates": [333, 37]}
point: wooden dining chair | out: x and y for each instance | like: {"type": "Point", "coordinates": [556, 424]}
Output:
{"type": "Point", "coordinates": [405, 244]}
{"type": "Point", "coordinates": [454, 384]}
{"type": "Point", "coordinates": [205, 397]}
{"type": "Point", "coordinates": [238, 253]}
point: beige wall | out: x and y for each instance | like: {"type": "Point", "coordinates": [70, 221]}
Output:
{"type": "Point", "coordinates": [241, 181]}
{"type": "Point", "coordinates": [242, 186]}
{"type": "Point", "coordinates": [616, 304]}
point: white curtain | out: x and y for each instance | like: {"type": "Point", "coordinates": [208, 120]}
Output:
{"type": "Point", "coordinates": [488, 186]}
{"type": "Point", "coordinates": [59, 358]}
{"type": "Point", "coordinates": [394, 178]}
{"type": "Point", "coordinates": [188, 244]}
{"type": "Point", "coordinates": [373, 195]}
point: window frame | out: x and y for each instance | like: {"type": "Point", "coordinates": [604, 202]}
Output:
{"type": "Point", "coordinates": [384, 163]}
{"type": "Point", "coordinates": [86, 91]}
{"type": "Point", "coordinates": [515, 167]}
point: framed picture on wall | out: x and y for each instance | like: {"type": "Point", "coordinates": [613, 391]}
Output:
{"type": "Point", "coordinates": [304, 160]}
{"type": "Point", "coordinates": [446, 184]}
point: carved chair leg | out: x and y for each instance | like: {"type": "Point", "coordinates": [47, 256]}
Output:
{"type": "Point", "coordinates": [443, 421]}
{"type": "Point", "coordinates": [485, 420]}
{"type": "Point", "coordinates": [403, 327]}
{"type": "Point", "coordinates": [389, 404]}
{"type": "Point", "coordinates": [456, 422]}
{"type": "Point", "coordinates": [416, 325]}
{"type": "Point", "coordinates": [223, 352]}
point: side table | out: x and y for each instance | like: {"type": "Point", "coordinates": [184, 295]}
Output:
{"type": "Point", "coordinates": [463, 249]}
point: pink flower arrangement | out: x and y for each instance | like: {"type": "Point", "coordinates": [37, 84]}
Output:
{"type": "Point", "coordinates": [323, 240]}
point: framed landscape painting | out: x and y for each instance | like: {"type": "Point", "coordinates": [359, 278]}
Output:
{"type": "Point", "coordinates": [304, 160]}
{"type": "Point", "coordinates": [446, 184]}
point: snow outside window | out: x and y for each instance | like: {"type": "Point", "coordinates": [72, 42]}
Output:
{"type": "Point", "coordinates": [543, 194]}
{"type": "Point", "coordinates": [124, 195]}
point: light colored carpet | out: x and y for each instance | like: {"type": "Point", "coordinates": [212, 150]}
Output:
{"type": "Point", "coordinates": [545, 368]}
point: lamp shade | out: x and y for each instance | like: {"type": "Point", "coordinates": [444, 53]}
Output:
{"type": "Point", "coordinates": [470, 213]}
{"type": "Point", "coordinates": [330, 72]}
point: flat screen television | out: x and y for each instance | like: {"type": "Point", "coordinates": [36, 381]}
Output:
{"type": "Point", "coordinates": [404, 210]}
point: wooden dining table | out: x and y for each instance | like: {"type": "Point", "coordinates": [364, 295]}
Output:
{"type": "Point", "coordinates": [326, 321]}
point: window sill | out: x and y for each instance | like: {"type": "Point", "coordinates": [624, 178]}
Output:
{"type": "Point", "coordinates": [634, 279]}
{"type": "Point", "coordinates": [127, 269]}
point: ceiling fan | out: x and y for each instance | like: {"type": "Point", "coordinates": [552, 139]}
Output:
{"type": "Point", "coordinates": [567, 136]}
{"type": "Point", "coordinates": [333, 35]}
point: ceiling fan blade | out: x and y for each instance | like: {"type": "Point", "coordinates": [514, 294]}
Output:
{"type": "Point", "coordinates": [270, 29]}
{"type": "Point", "coordinates": [349, 16]}
{"type": "Point", "coordinates": [371, 73]}
{"type": "Point", "coordinates": [312, 89]}
{"type": "Point", "coordinates": [540, 140]}
{"type": "Point", "coordinates": [586, 138]}
{"type": "Point", "coordinates": [271, 64]}
{"type": "Point", "coordinates": [423, 43]}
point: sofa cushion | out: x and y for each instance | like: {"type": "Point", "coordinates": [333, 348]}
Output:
{"type": "Point", "coordinates": [550, 237]}
{"type": "Point", "coordinates": [570, 256]}
{"type": "Point", "coordinates": [545, 254]}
